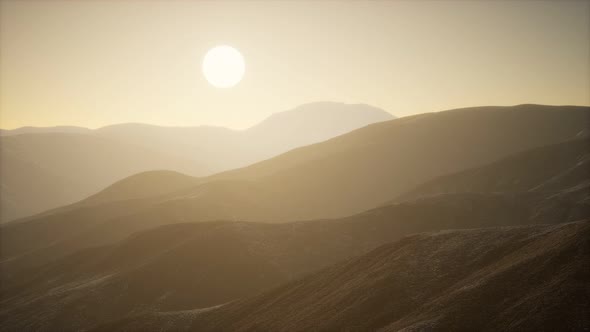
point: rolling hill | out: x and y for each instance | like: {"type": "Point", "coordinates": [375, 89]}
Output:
{"type": "Point", "coordinates": [357, 171]}
{"type": "Point", "coordinates": [45, 130]}
{"type": "Point", "coordinates": [342, 176]}
{"type": "Point", "coordinates": [50, 167]}
{"type": "Point", "coordinates": [44, 171]}
{"type": "Point", "coordinates": [223, 149]}
{"type": "Point", "coordinates": [550, 168]}
{"type": "Point", "coordinates": [510, 279]}
{"type": "Point", "coordinates": [139, 255]}
{"type": "Point", "coordinates": [559, 172]}
{"type": "Point", "coordinates": [204, 264]}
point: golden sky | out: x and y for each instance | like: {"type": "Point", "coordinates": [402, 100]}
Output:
{"type": "Point", "coordinates": [95, 63]}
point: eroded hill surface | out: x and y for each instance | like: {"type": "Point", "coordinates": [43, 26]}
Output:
{"type": "Point", "coordinates": [504, 279]}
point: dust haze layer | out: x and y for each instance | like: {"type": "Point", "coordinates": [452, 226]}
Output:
{"type": "Point", "coordinates": [44, 168]}
{"type": "Point", "coordinates": [339, 177]}
{"type": "Point", "coordinates": [177, 271]}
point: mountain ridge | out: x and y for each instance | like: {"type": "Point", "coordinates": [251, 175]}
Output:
{"type": "Point", "coordinates": [169, 259]}
{"type": "Point", "coordinates": [146, 244]}
{"type": "Point", "coordinates": [451, 280]}
{"type": "Point", "coordinates": [78, 129]}
{"type": "Point", "coordinates": [191, 150]}
{"type": "Point", "coordinates": [570, 159]}
{"type": "Point", "coordinates": [307, 189]}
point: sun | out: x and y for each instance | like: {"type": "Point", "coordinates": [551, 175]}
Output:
{"type": "Point", "coordinates": [223, 66]}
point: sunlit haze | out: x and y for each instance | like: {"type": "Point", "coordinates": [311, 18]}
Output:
{"type": "Point", "coordinates": [96, 63]}
{"type": "Point", "coordinates": [221, 166]}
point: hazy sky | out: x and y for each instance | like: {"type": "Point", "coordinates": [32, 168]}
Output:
{"type": "Point", "coordinates": [96, 63]}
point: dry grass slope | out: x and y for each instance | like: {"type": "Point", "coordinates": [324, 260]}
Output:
{"type": "Point", "coordinates": [526, 278]}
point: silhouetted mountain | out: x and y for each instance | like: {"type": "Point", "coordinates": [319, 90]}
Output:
{"type": "Point", "coordinates": [371, 165]}
{"type": "Point", "coordinates": [43, 171]}
{"type": "Point", "coordinates": [306, 124]}
{"type": "Point", "coordinates": [101, 262]}
{"type": "Point", "coordinates": [65, 167]}
{"type": "Point", "coordinates": [26, 187]}
{"type": "Point", "coordinates": [224, 149]}
{"type": "Point", "coordinates": [506, 279]}
{"type": "Point", "coordinates": [45, 130]}
{"type": "Point", "coordinates": [344, 175]}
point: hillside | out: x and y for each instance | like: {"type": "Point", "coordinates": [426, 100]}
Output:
{"type": "Point", "coordinates": [223, 149]}
{"type": "Point", "coordinates": [66, 164]}
{"type": "Point", "coordinates": [357, 171]}
{"type": "Point", "coordinates": [549, 168]}
{"type": "Point", "coordinates": [34, 244]}
{"type": "Point", "coordinates": [142, 185]}
{"type": "Point", "coordinates": [44, 171]}
{"type": "Point", "coordinates": [125, 244]}
{"type": "Point", "coordinates": [305, 125]}
{"type": "Point", "coordinates": [371, 165]}
{"type": "Point", "coordinates": [17, 200]}
{"type": "Point", "coordinates": [199, 265]}
{"type": "Point", "coordinates": [343, 176]}
{"type": "Point", "coordinates": [510, 279]}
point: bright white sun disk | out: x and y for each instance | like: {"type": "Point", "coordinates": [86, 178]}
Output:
{"type": "Point", "coordinates": [223, 66]}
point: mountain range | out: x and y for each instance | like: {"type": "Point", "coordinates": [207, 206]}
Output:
{"type": "Point", "coordinates": [467, 280]}
{"type": "Point", "coordinates": [336, 178]}
{"type": "Point", "coordinates": [46, 168]}
{"type": "Point", "coordinates": [469, 219]}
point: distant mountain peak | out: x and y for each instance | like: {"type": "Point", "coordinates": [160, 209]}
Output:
{"type": "Point", "coordinates": [323, 109]}
{"type": "Point", "coordinates": [321, 120]}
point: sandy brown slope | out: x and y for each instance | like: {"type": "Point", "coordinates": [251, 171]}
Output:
{"type": "Point", "coordinates": [342, 176]}
{"type": "Point", "coordinates": [359, 170]}
{"type": "Point", "coordinates": [505, 279]}
{"type": "Point", "coordinates": [44, 171]}
{"type": "Point", "coordinates": [50, 189]}
{"type": "Point", "coordinates": [552, 168]}
{"type": "Point", "coordinates": [122, 198]}
{"type": "Point", "coordinates": [63, 165]}
{"type": "Point", "coordinates": [559, 172]}
{"type": "Point", "coordinates": [29, 245]}
{"type": "Point", "coordinates": [141, 185]}
{"type": "Point", "coordinates": [198, 265]}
